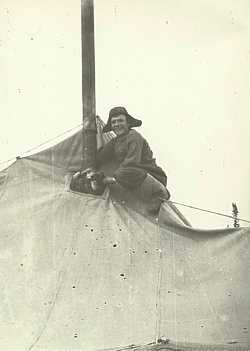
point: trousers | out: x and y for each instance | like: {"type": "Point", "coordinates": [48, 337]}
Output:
{"type": "Point", "coordinates": [130, 177]}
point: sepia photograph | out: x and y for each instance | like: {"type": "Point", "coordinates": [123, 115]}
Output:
{"type": "Point", "coordinates": [125, 175]}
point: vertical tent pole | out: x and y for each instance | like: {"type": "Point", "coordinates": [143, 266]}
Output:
{"type": "Point", "coordinates": [89, 151]}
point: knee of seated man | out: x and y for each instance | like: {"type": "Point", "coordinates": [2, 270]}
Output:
{"type": "Point", "coordinates": [123, 178]}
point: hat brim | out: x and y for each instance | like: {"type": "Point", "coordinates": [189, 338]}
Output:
{"type": "Point", "coordinates": [133, 122]}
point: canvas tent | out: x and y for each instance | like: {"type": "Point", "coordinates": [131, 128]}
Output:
{"type": "Point", "coordinates": [82, 272]}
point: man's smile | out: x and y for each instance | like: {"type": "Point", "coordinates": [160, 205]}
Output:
{"type": "Point", "coordinates": [120, 125]}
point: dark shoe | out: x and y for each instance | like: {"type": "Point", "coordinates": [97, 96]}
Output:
{"type": "Point", "coordinates": [155, 205]}
{"type": "Point", "coordinates": [152, 192]}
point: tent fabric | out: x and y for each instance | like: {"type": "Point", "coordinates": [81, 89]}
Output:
{"type": "Point", "coordinates": [82, 272]}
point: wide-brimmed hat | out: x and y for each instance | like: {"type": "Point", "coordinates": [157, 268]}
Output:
{"type": "Point", "coordinates": [116, 111]}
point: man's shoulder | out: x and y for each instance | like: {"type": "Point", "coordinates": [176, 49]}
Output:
{"type": "Point", "coordinates": [133, 134]}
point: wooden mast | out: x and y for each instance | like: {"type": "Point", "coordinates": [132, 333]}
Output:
{"type": "Point", "coordinates": [89, 151]}
{"type": "Point", "coordinates": [88, 180]}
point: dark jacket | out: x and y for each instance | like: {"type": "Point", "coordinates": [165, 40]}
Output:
{"type": "Point", "coordinates": [132, 150]}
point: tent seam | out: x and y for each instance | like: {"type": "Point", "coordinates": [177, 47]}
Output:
{"type": "Point", "coordinates": [159, 283]}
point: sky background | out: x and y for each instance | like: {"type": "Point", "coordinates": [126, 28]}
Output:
{"type": "Point", "coordinates": [182, 67]}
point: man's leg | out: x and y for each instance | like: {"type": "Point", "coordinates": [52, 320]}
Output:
{"type": "Point", "coordinates": [144, 186]}
{"type": "Point", "coordinates": [131, 177]}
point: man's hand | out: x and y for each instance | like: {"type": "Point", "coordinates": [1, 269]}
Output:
{"type": "Point", "coordinates": [76, 176]}
{"type": "Point", "coordinates": [109, 180]}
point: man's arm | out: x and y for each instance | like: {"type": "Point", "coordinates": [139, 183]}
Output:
{"type": "Point", "coordinates": [134, 150]}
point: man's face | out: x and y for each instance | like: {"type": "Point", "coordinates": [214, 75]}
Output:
{"type": "Point", "coordinates": [120, 125]}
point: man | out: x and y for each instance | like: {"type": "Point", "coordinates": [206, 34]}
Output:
{"type": "Point", "coordinates": [138, 170]}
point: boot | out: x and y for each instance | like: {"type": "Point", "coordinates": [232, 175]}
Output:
{"type": "Point", "coordinates": [153, 192]}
